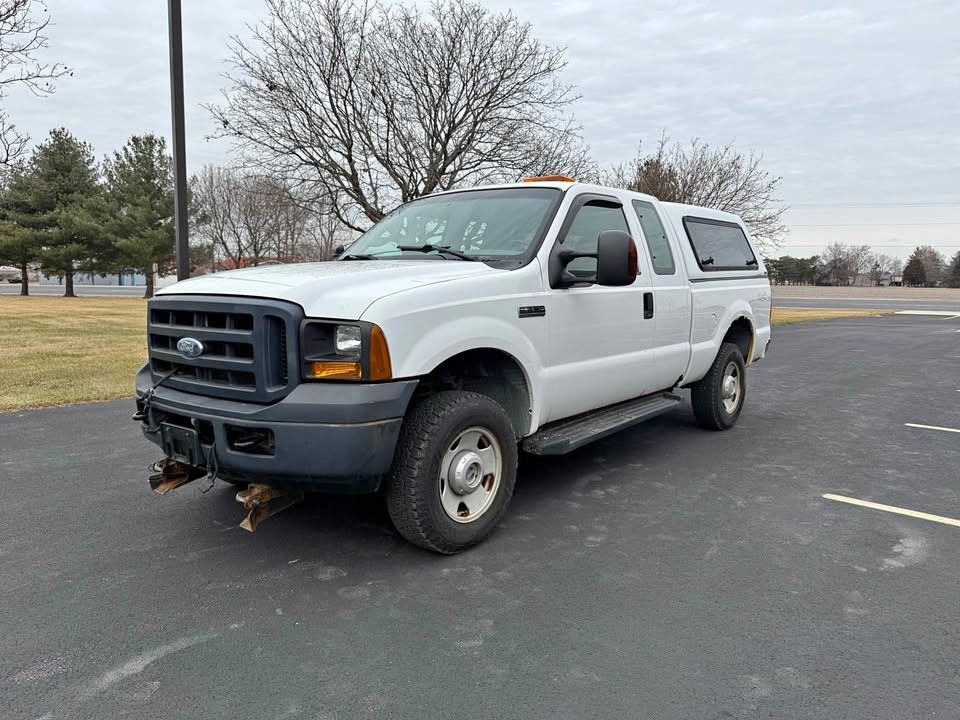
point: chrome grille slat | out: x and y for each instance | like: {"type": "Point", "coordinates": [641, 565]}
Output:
{"type": "Point", "coordinates": [205, 361]}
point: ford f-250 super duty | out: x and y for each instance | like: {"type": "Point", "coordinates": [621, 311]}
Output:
{"type": "Point", "coordinates": [462, 328]}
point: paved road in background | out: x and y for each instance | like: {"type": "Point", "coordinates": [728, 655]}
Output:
{"type": "Point", "coordinates": [665, 572]}
{"type": "Point", "coordinates": [867, 303]}
{"type": "Point", "coordinates": [90, 290]}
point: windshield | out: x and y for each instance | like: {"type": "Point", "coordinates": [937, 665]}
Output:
{"type": "Point", "coordinates": [483, 224]}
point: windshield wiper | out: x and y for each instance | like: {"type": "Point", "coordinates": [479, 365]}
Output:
{"type": "Point", "coordinates": [442, 249]}
{"type": "Point", "coordinates": [358, 256]}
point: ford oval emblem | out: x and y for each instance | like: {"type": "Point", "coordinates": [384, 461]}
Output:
{"type": "Point", "coordinates": [190, 347]}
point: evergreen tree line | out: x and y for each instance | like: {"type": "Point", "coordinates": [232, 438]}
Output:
{"type": "Point", "coordinates": [63, 211]}
{"type": "Point", "coordinates": [928, 268]}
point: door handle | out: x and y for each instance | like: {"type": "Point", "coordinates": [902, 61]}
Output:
{"type": "Point", "coordinates": [647, 305]}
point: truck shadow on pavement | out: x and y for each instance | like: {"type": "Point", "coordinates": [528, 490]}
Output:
{"type": "Point", "coordinates": [550, 492]}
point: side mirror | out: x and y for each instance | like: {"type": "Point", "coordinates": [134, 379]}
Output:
{"type": "Point", "coordinates": [616, 259]}
{"type": "Point", "coordinates": [338, 250]}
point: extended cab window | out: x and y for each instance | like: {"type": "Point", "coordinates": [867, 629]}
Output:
{"type": "Point", "coordinates": [592, 219]}
{"type": "Point", "coordinates": [719, 245]}
{"type": "Point", "coordinates": [653, 233]}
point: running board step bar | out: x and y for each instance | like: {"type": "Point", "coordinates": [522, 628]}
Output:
{"type": "Point", "coordinates": [565, 436]}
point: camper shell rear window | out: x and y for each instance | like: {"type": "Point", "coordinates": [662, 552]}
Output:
{"type": "Point", "coordinates": [719, 245]}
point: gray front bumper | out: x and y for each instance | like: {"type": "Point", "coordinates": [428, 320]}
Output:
{"type": "Point", "coordinates": [330, 437]}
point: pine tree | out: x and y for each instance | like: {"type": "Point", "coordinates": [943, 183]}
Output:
{"type": "Point", "coordinates": [56, 203]}
{"type": "Point", "coordinates": [20, 249]}
{"type": "Point", "coordinates": [952, 274]}
{"type": "Point", "coordinates": [140, 190]}
{"type": "Point", "coordinates": [914, 273]}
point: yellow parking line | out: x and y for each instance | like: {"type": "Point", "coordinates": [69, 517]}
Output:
{"type": "Point", "coordinates": [892, 509]}
{"type": "Point", "coordinates": [932, 427]}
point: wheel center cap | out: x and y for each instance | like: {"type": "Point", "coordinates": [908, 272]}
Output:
{"type": "Point", "coordinates": [729, 386]}
{"type": "Point", "coordinates": [466, 473]}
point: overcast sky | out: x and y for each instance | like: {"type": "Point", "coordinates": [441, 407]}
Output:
{"type": "Point", "coordinates": [856, 105]}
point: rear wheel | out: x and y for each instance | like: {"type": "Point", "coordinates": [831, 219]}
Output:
{"type": "Point", "coordinates": [454, 471]}
{"type": "Point", "coordinates": [718, 398]}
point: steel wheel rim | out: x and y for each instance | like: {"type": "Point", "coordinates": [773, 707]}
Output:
{"type": "Point", "coordinates": [731, 388]}
{"type": "Point", "coordinates": [470, 474]}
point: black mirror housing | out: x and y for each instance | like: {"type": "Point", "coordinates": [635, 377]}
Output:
{"type": "Point", "coordinates": [617, 264]}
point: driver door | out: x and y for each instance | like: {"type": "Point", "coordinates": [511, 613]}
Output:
{"type": "Point", "coordinates": [599, 342]}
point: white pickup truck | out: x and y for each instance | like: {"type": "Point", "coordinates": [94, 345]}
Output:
{"type": "Point", "coordinates": [10, 274]}
{"type": "Point", "coordinates": [462, 328]}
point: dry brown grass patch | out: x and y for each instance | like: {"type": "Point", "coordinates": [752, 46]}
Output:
{"type": "Point", "coordinates": [57, 351]}
{"type": "Point", "coordinates": [786, 316]}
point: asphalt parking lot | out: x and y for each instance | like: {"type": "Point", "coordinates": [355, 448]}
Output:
{"type": "Point", "coordinates": [666, 572]}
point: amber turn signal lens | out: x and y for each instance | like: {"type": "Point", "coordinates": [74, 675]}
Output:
{"type": "Point", "coordinates": [332, 370]}
{"type": "Point", "coordinates": [380, 368]}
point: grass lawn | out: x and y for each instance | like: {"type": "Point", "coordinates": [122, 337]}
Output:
{"type": "Point", "coordinates": [58, 351]}
{"type": "Point", "coordinates": [787, 316]}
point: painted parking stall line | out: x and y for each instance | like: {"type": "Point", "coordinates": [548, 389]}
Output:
{"type": "Point", "coordinates": [892, 509]}
{"type": "Point", "coordinates": [949, 314]}
{"type": "Point", "coordinates": [933, 427]}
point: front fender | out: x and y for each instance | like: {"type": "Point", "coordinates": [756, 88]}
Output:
{"type": "Point", "coordinates": [417, 351]}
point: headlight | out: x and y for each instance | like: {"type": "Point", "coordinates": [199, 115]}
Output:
{"type": "Point", "coordinates": [355, 351]}
{"type": "Point", "coordinates": [348, 340]}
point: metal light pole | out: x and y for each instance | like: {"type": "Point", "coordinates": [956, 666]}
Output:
{"type": "Point", "coordinates": [179, 150]}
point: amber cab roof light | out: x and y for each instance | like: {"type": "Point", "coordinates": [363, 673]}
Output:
{"type": "Point", "coordinates": [549, 178]}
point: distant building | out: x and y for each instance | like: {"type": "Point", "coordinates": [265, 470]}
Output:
{"type": "Point", "coordinates": [122, 278]}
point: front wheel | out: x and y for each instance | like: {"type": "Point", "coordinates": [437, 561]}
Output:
{"type": "Point", "coordinates": [718, 398]}
{"type": "Point", "coordinates": [454, 471]}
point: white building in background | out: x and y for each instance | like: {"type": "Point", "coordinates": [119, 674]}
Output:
{"type": "Point", "coordinates": [116, 279]}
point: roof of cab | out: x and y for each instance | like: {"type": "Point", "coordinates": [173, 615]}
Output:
{"type": "Point", "coordinates": [558, 185]}
{"type": "Point", "coordinates": [677, 211]}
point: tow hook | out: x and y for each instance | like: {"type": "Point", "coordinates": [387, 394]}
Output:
{"type": "Point", "coordinates": [168, 474]}
{"type": "Point", "coordinates": [263, 501]}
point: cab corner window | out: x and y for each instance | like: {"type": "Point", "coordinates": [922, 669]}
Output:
{"type": "Point", "coordinates": [660, 253]}
{"type": "Point", "coordinates": [719, 245]}
{"type": "Point", "coordinates": [591, 219]}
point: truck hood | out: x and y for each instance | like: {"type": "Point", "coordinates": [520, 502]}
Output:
{"type": "Point", "coordinates": [339, 290]}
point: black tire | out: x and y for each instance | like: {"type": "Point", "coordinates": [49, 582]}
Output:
{"type": "Point", "coordinates": [707, 394]}
{"type": "Point", "coordinates": [413, 488]}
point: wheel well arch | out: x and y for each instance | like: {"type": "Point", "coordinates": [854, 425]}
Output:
{"type": "Point", "coordinates": [741, 334]}
{"type": "Point", "coordinates": [488, 371]}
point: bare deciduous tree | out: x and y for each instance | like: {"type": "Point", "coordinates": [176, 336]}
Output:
{"type": "Point", "coordinates": [883, 266]}
{"type": "Point", "coordinates": [720, 178]}
{"type": "Point", "coordinates": [23, 25]}
{"type": "Point", "coordinates": [214, 211]}
{"type": "Point", "coordinates": [836, 258]}
{"type": "Point", "coordinates": [373, 104]}
{"type": "Point", "coordinates": [250, 218]}
{"type": "Point", "coordinates": [846, 264]}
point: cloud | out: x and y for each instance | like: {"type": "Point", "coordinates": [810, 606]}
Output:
{"type": "Point", "coordinates": [850, 104]}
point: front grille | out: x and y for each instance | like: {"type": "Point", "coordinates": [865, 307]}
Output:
{"type": "Point", "coordinates": [247, 345]}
